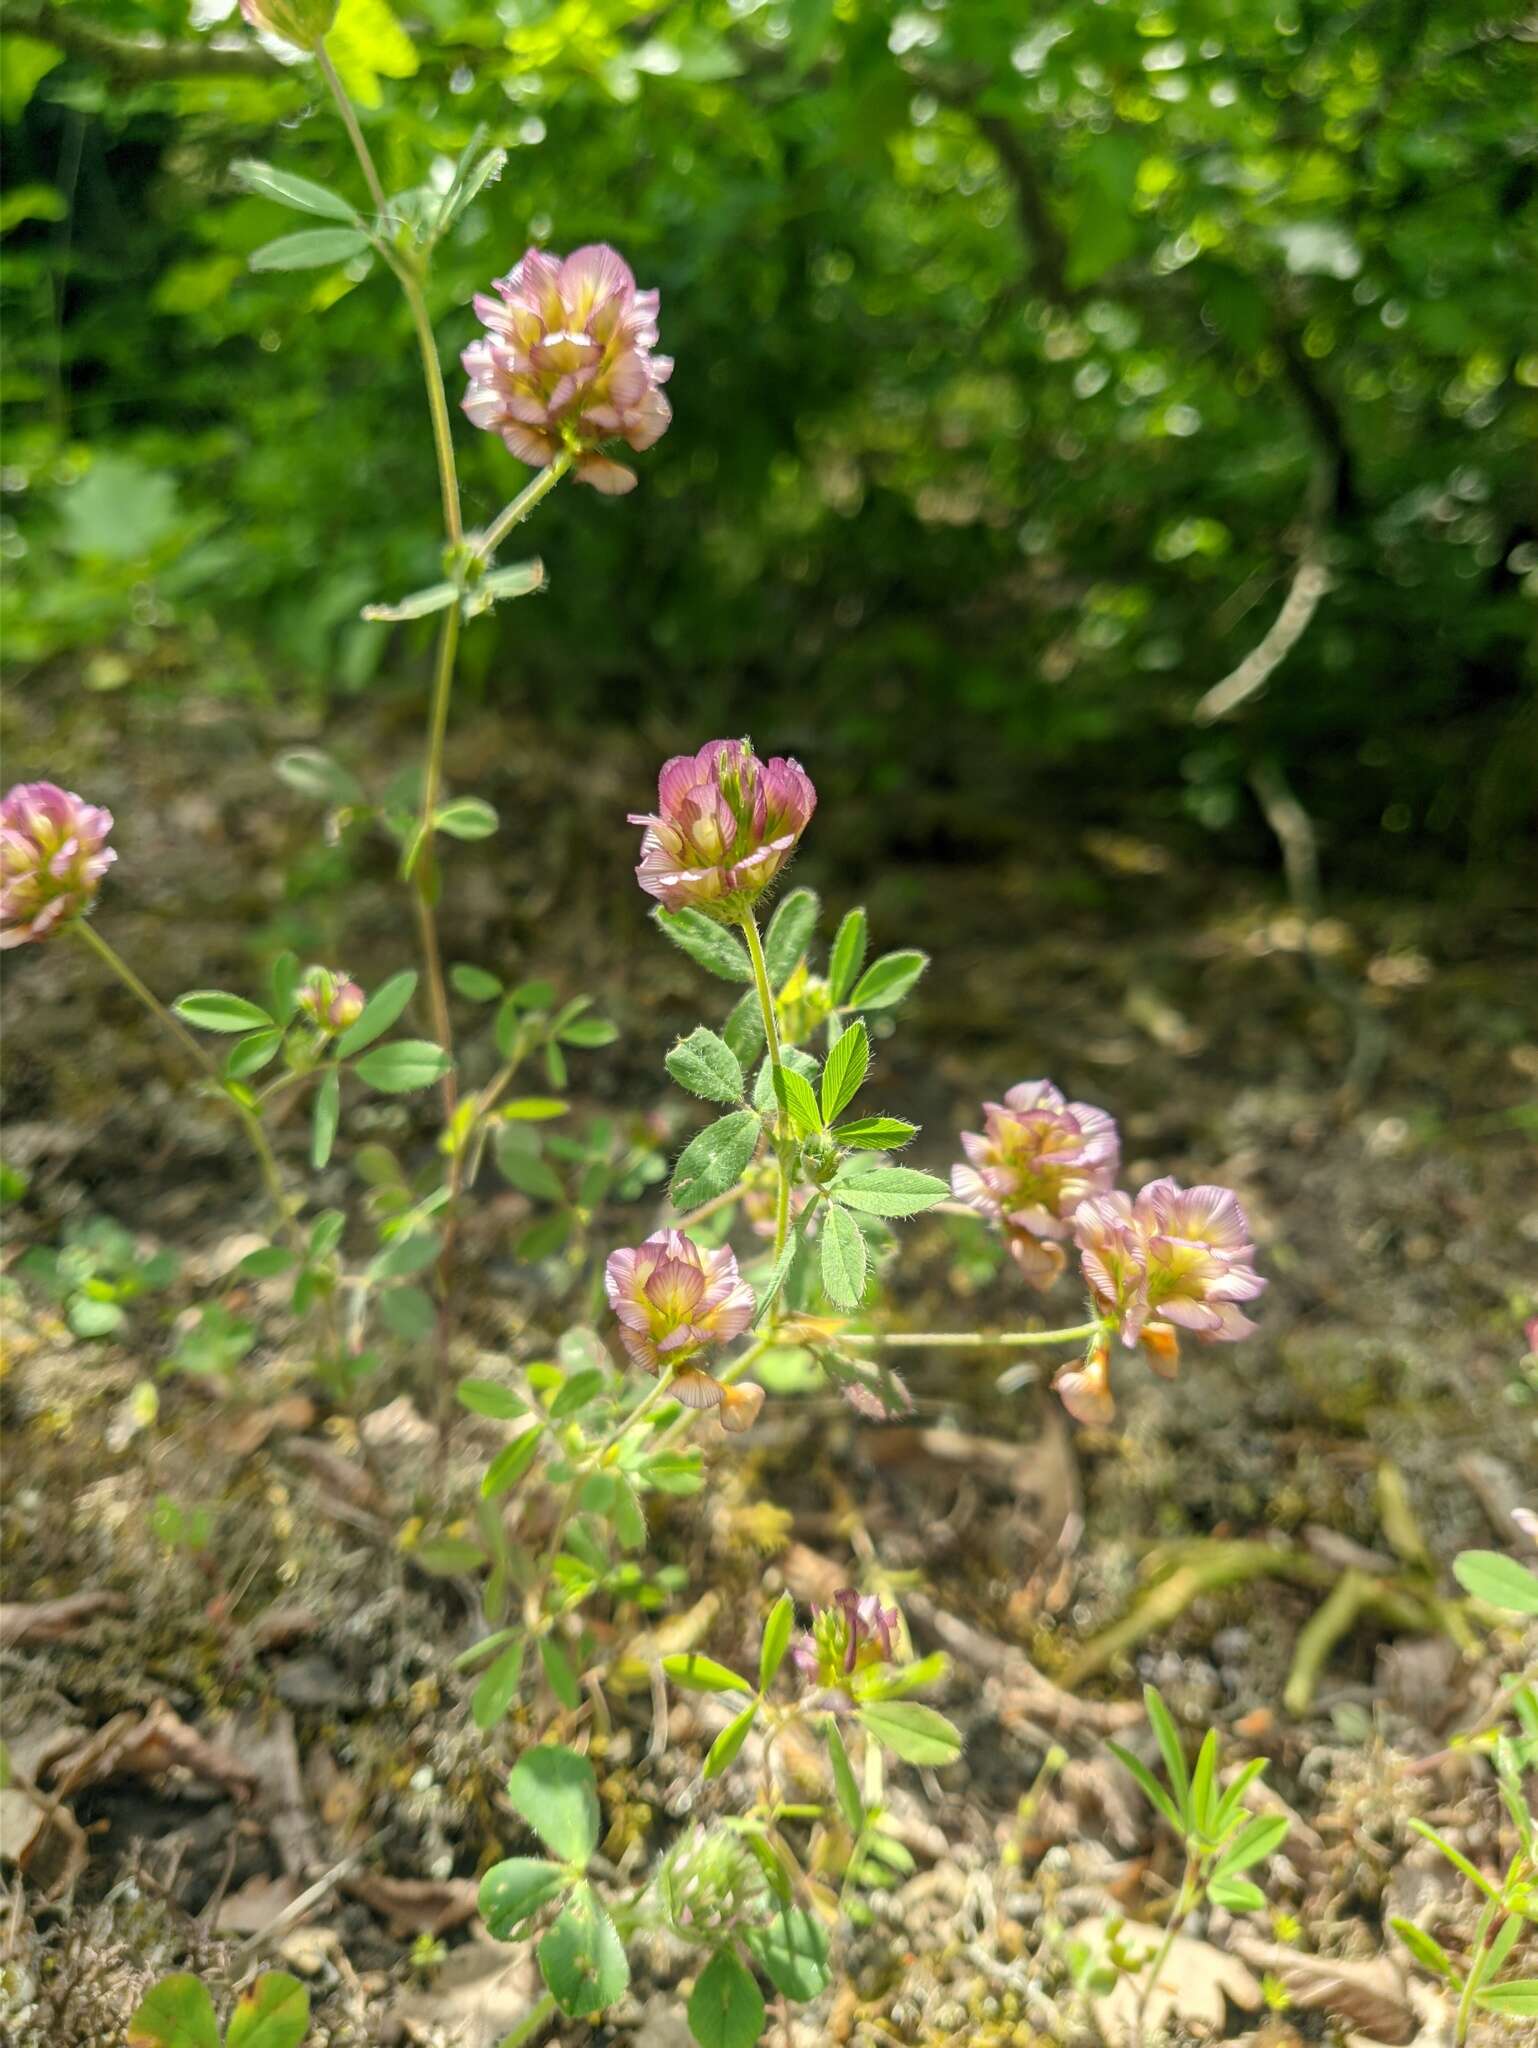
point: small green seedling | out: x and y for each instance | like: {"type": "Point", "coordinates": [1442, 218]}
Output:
{"type": "Point", "coordinates": [1220, 1837]}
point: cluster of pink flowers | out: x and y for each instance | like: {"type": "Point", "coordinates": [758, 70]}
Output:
{"type": "Point", "coordinates": [725, 825]}
{"type": "Point", "coordinates": [675, 1303]}
{"type": "Point", "coordinates": [1171, 1259]}
{"type": "Point", "coordinates": [1035, 1160]}
{"type": "Point", "coordinates": [53, 854]}
{"type": "Point", "coordinates": [566, 363]}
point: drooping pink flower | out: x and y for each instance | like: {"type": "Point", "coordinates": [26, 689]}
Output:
{"type": "Point", "coordinates": [566, 363]}
{"type": "Point", "coordinates": [1036, 1159]}
{"type": "Point", "coordinates": [53, 854]}
{"type": "Point", "coordinates": [674, 1302]}
{"type": "Point", "coordinates": [1085, 1388]}
{"type": "Point", "coordinates": [851, 1634]}
{"type": "Point", "coordinates": [1175, 1258]}
{"type": "Point", "coordinates": [330, 999]}
{"type": "Point", "coordinates": [725, 825]}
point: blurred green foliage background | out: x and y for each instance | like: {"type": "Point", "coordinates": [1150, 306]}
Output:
{"type": "Point", "coordinates": [1024, 356]}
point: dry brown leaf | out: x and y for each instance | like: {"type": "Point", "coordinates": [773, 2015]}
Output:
{"type": "Point", "coordinates": [23, 1622]}
{"type": "Point", "coordinates": [1192, 1986]}
{"type": "Point", "coordinates": [415, 1905]}
{"type": "Point", "coordinates": [1370, 1995]}
{"type": "Point", "coordinates": [338, 1476]}
{"type": "Point", "coordinates": [42, 1838]}
{"type": "Point", "coordinates": [268, 1746]}
{"type": "Point", "coordinates": [145, 1745]}
{"type": "Point", "coordinates": [256, 1905]}
{"type": "Point", "coordinates": [398, 1426]}
{"type": "Point", "coordinates": [249, 1432]}
{"type": "Point", "coordinates": [283, 1625]}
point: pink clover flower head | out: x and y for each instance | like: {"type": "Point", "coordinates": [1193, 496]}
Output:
{"type": "Point", "coordinates": [331, 1000]}
{"type": "Point", "coordinates": [566, 363]}
{"type": "Point", "coordinates": [53, 854]}
{"type": "Point", "coordinates": [1035, 1160]}
{"type": "Point", "coordinates": [725, 825]}
{"type": "Point", "coordinates": [1200, 1259]}
{"type": "Point", "coordinates": [1175, 1259]}
{"type": "Point", "coordinates": [674, 1303]}
{"type": "Point", "coordinates": [852, 1633]}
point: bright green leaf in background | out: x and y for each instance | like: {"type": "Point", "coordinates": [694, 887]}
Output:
{"type": "Point", "coordinates": [366, 44]}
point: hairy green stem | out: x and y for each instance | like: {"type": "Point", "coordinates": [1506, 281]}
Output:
{"type": "Point", "coordinates": [438, 407]}
{"type": "Point", "coordinates": [653, 1397]}
{"type": "Point", "coordinates": [654, 1394]}
{"type": "Point", "coordinates": [518, 509]}
{"type": "Point", "coordinates": [969, 1340]}
{"type": "Point", "coordinates": [749, 927]}
{"type": "Point", "coordinates": [250, 1122]}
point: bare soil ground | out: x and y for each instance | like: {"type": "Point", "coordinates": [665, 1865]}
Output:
{"type": "Point", "coordinates": [226, 1724]}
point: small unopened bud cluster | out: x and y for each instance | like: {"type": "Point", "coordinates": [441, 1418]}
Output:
{"type": "Point", "coordinates": [330, 999]}
{"type": "Point", "coordinates": [852, 1634]}
{"type": "Point", "coordinates": [709, 1881]}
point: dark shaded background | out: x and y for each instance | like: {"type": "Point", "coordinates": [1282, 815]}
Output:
{"type": "Point", "coordinates": [1022, 362]}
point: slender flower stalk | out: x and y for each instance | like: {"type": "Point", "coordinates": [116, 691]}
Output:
{"type": "Point", "coordinates": [250, 1122]}
{"type": "Point", "coordinates": [1185, 1899]}
{"type": "Point", "coordinates": [749, 926]}
{"type": "Point", "coordinates": [420, 870]}
{"type": "Point", "coordinates": [968, 1340]}
{"type": "Point", "coordinates": [514, 513]}
{"type": "Point", "coordinates": [419, 867]}
{"type": "Point", "coordinates": [344, 107]}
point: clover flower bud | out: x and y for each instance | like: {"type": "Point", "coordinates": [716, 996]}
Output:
{"type": "Point", "coordinates": [725, 825]}
{"type": "Point", "coordinates": [330, 1000]}
{"type": "Point", "coordinates": [300, 22]}
{"type": "Point", "coordinates": [1035, 1160]}
{"type": "Point", "coordinates": [709, 1882]}
{"type": "Point", "coordinates": [566, 363]}
{"type": "Point", "coordinates": [53, 854]}
{"type": "Point", "coordinates": [674, 1303]}
{"type": "Point", "coordinates": [802, 1006]}
{"type": "Point", "coordinates": [851, 1634]}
